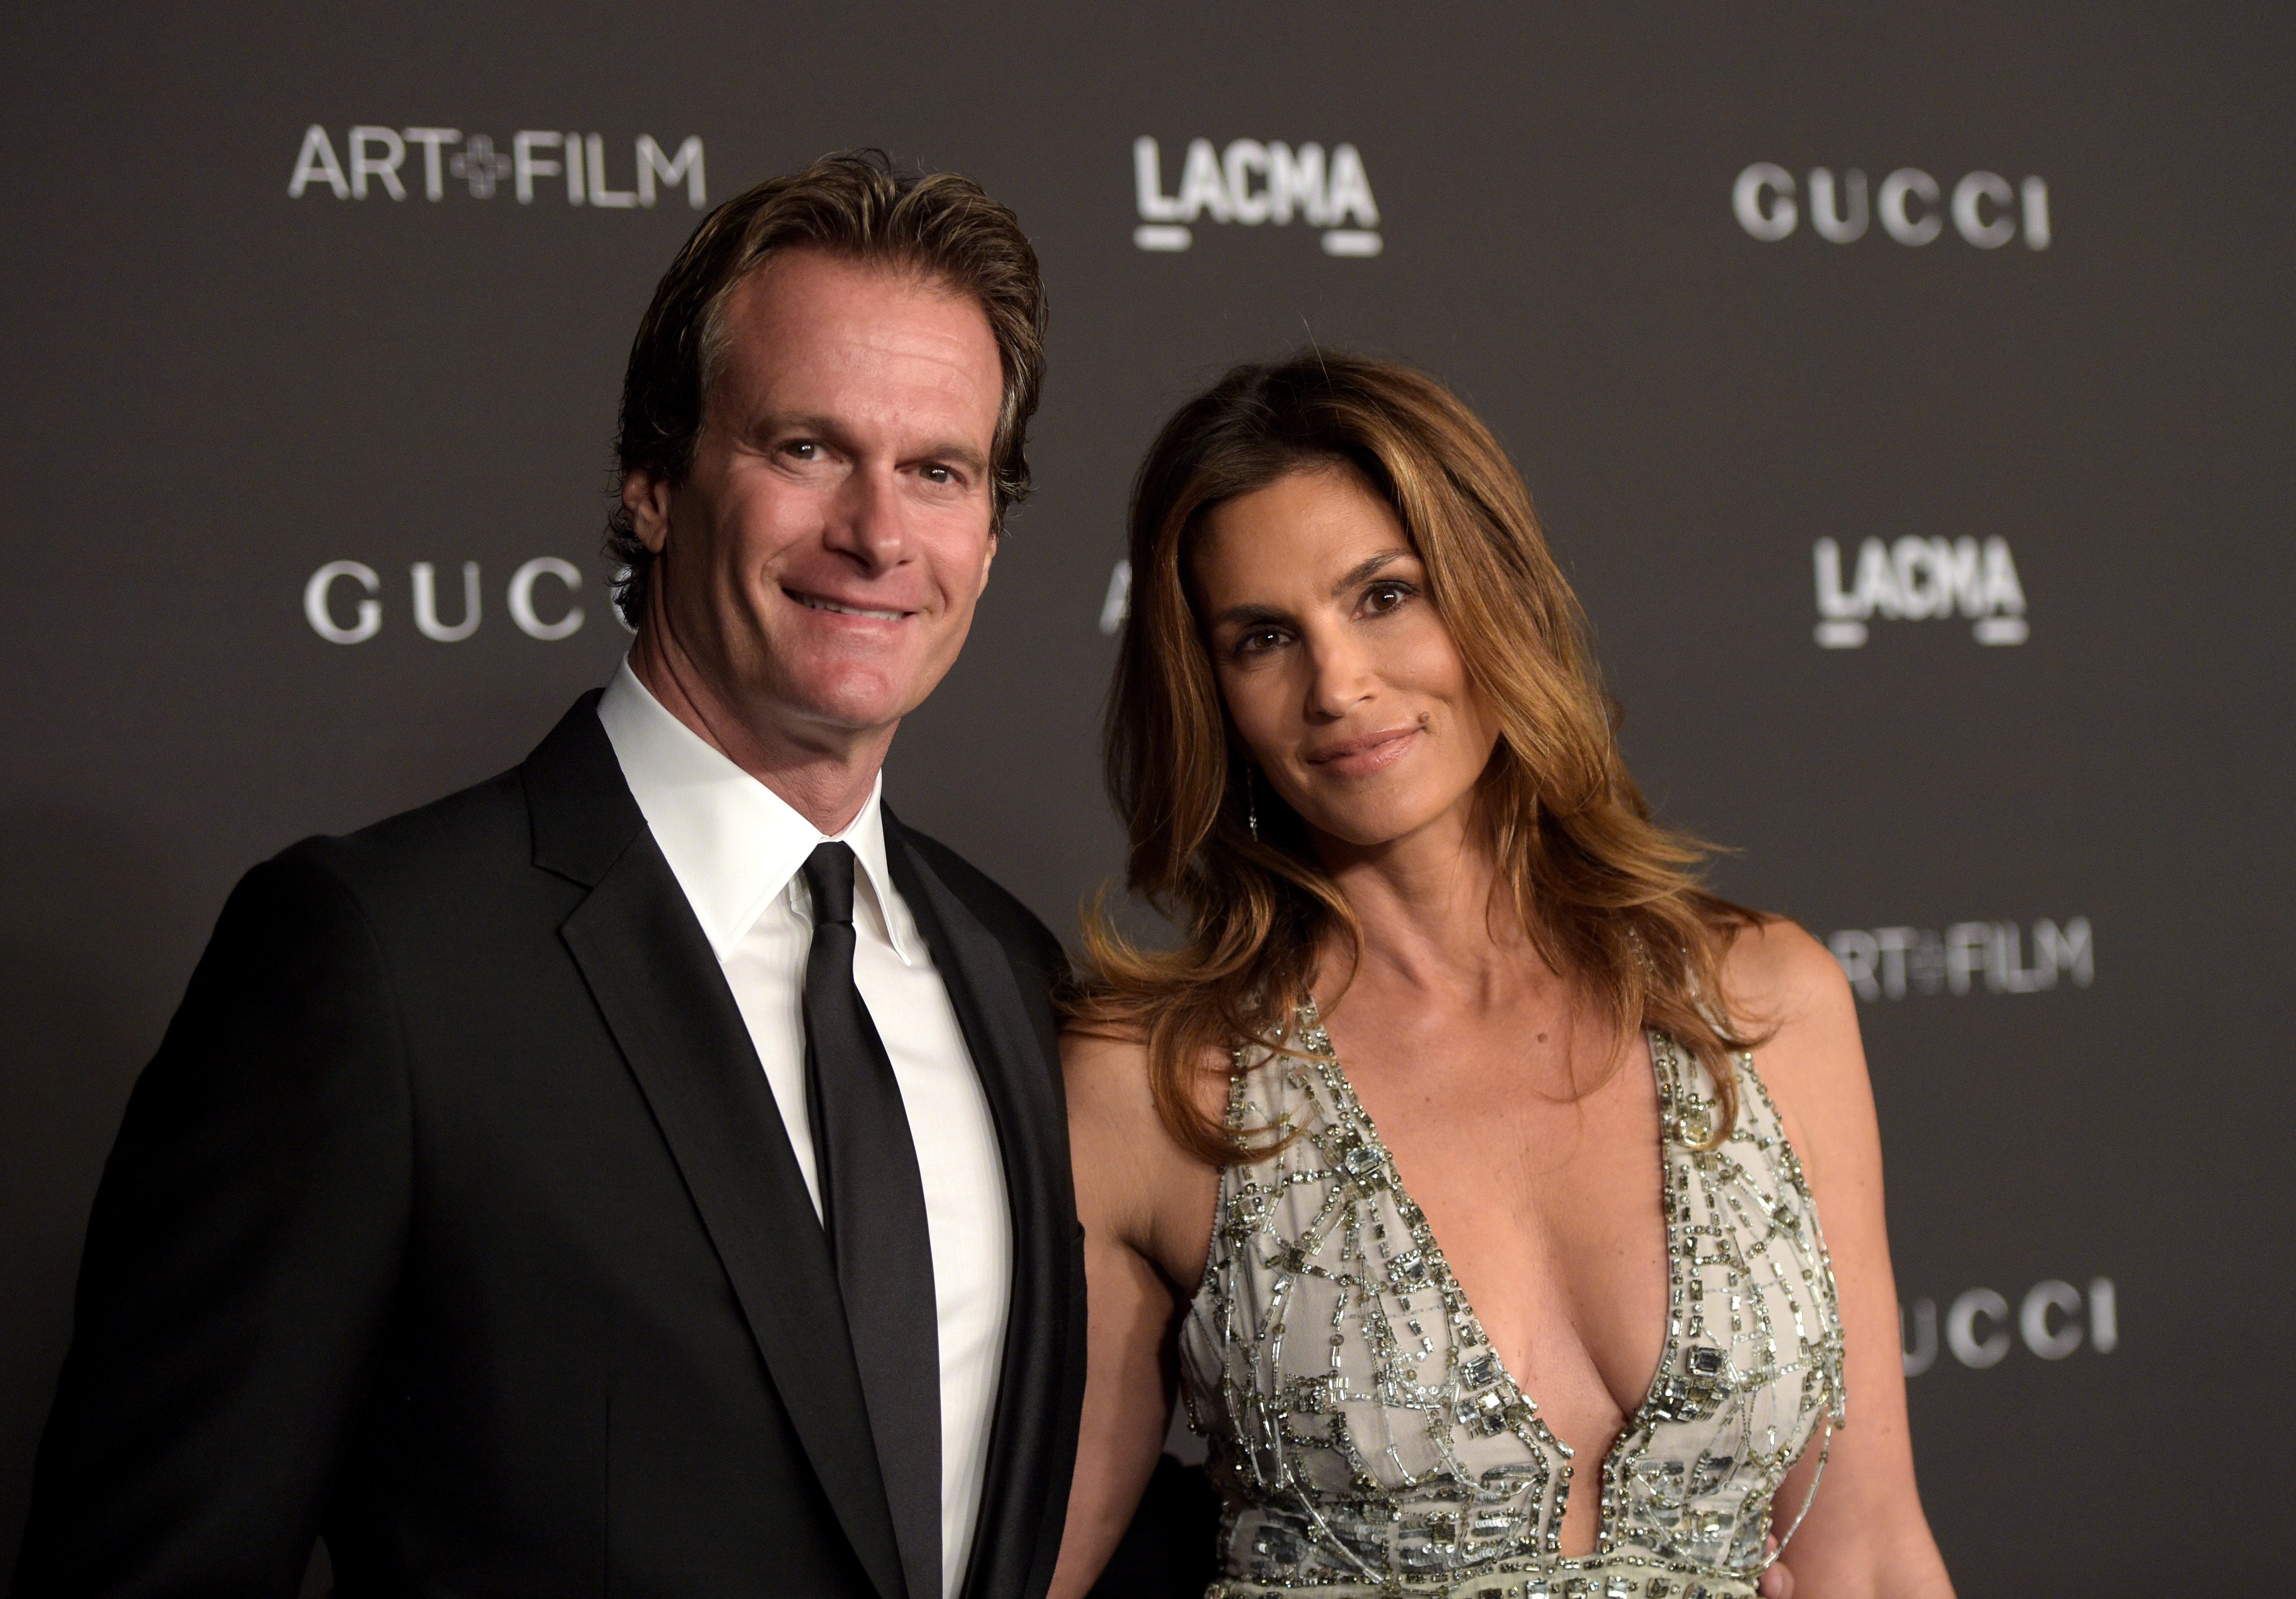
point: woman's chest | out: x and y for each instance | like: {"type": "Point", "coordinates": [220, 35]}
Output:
{"type": "Point", "coordinates": [1551, 1214]}
{"type": "Point", "coordinates": [1365, 1418]}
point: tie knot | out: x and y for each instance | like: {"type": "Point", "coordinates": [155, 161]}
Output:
{"type": "Point", "coordinates": [828, 879]}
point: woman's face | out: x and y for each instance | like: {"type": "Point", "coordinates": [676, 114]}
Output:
{"type": "Point", "coordinates": [1344, 683]}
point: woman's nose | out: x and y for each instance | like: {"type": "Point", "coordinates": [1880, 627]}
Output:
{"type": "Point", "coordinates": [1340, 679]}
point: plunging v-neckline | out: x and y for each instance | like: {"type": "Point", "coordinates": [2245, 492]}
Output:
{"type": "Point", "coordinates": [1318, 1040]}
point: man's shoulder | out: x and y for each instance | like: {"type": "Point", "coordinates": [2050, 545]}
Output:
{"type": "Point", "coordinates": [456, 844]}
{"type": "Point", "coordinates": [481, 826]}
{"type": "Point", "coordinates": [402, 881]}
{"type": "Point", "coordinates": [1012, 923]}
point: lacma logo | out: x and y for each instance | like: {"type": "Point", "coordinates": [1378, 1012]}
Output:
{"type": "Point", "coordinates": [1915, 580]}
{"type": "Point", "coordinates": [1985, 211]}
{"type": "Point", "coordinates": [1251, 183]}
{"type": "Point", "coordinates": [373, 160]}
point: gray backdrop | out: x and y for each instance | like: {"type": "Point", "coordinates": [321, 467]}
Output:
{"type": "Point", "coordinates": [2056, 862]}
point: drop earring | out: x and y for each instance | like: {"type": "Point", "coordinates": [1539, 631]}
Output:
{"type": "Point", "coordinates": [1251, 805]}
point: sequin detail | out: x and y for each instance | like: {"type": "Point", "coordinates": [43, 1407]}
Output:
{"type": "Point", "coordinates": [1367, 1438]}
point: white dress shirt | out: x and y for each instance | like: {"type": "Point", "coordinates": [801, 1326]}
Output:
{"type": "Point", "coordinates": [736, 847]}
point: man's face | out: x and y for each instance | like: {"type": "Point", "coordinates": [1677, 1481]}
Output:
{"type": "Point", "coordinates": [821, 562]}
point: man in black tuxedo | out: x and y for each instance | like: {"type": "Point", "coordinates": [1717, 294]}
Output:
{"type": "Point", "coordinates": [645, 1172]}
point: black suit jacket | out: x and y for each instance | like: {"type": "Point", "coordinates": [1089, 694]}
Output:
{"type": "Point", "coordinates": [455, 1220]}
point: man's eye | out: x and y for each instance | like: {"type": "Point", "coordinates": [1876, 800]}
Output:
{"type": "Point", "coordinates": [940, 474]}
{"type": "Point", "coordinates": [804, 449]}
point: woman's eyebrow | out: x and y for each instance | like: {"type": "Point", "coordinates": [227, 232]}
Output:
{"type": "Point", "coordinates": [1249, 613]}
{"type": "Point", "coordinates": [1366, 568]}
{"type": "Point", "coordinates": [1246, 615]}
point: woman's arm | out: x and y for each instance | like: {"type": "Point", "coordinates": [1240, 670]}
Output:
{"type": "Point", "coordinates": [1135, 1192]}
{"type": "Point", "coordinates": [1865, 1534]}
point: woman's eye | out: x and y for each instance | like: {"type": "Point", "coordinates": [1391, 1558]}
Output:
{"type": "Point", "coordinates": [1385, 596]}
{"type": "Point", "coordinates": [1257, 640]}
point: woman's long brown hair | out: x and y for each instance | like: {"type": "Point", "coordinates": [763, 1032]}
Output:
{"type": "Point", "coordinates": [1609, 898]}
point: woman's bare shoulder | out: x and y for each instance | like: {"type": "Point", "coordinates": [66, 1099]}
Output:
{"type": "Point", "coordinates": [1106, 1070]}
{"type": "Point", "coordinates": [1778, 976]}
{"type": "Point", "coordinates": [1787, 987]}
{"type": "Point", "coordinates": [1132, 1176]}
{"type": "Point", "coordinates": [1106, 1073]}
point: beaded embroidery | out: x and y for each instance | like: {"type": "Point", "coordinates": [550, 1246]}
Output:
{"type": "Point", "coordinates": [1364, 1435]}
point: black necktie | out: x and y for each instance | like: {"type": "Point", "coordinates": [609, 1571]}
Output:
{"type": "Point", "coordinates": [872, 1206]}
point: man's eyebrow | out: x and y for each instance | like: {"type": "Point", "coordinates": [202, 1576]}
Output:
{"type": "Point", "coordinates": [1368, 568]}
{"type": "Point", "coordinates": [958, 455]}
{"type": "Point", "coordinates": [801, 422]}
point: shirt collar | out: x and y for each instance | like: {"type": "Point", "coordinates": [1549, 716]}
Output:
{"type": "Point", "coordinates": [733, 843]}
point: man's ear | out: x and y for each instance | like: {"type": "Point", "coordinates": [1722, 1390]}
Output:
{"type": "Point", "coordinates": [647, 498]}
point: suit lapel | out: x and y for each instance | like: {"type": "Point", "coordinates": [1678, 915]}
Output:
{"type": "Point", "coordinates": [1013, 1051]}
{"type": "Point", "coordinates": [665, 999]}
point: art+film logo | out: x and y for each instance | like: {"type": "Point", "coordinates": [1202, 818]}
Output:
{"type": "Point", "coordinates": [1919, 579]}
{"type": "Point", "coordinates": [342, 601]}
{"type": "Point", "coordinates": [2053, 1320]}
{"type": "Point", "coordinates": [1913, 207]}
{"type": "Point", "coordinates": [1968, 958]}
{"type": "Point", "coordinates": [377, 161]}
{"type": "Point", "coordinates": [1250, 184]}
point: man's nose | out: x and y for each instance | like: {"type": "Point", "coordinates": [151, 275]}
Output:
{"type": "Point", "coordinates": [866, 521]}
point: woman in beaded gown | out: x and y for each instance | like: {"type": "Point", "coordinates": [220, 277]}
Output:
{"type": "Point", "coordinates": [1464, 1164]}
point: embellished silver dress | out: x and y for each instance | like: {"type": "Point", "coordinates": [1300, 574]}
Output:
{"type": "Point", "coordinates": [1363, 1432]}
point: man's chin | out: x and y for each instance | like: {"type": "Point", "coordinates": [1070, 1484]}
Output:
{"type": "Point", "coordinates": [855, 704]}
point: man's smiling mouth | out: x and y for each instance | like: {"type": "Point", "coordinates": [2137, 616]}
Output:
{"type": "Point", "coordinates": [815, 603]}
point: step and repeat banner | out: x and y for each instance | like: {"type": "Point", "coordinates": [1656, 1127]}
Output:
{"type": "Point", "coordinates": [1907, 393]}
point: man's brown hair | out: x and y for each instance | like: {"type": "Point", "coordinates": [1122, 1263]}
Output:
{"type": "Point", "coordinates": [860, 207]}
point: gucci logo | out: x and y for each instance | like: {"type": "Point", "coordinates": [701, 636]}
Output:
{"type": "Point", "coordinates": [2054, 1319]}
{"type": "Point", "coordinates": [343, 602]}
{"type": "Point", "coordinates": [1987, 211]}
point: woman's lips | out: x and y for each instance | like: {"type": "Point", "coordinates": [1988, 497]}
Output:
{"type": "Point", "coordinates": [1358, 757]}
